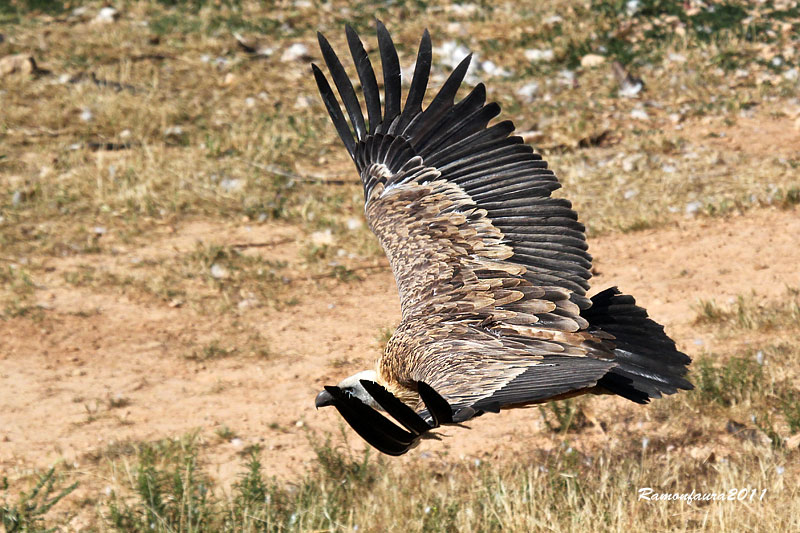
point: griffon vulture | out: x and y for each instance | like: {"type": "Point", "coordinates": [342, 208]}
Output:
{"type": "Point", "coordinates": [492, 271]}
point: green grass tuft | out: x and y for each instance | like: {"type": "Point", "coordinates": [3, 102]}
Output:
{"type": "Point", "coordinates": [28, 513]}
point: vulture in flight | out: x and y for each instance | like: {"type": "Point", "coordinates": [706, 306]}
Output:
{"type": "Point", "coordinates": [492, 271]}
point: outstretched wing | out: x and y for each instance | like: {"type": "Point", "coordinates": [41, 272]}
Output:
{"type": "Point", "coordinates": [462, 209]}
{"type": "Point", "coordinates": [492, 271]}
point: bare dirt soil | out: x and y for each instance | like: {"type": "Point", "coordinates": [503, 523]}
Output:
{"type": "Point", "coordinates": [101, 369]}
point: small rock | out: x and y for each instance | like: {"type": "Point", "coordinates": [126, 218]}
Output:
{"type": "Point", "coordinates": [490, 68]}
{"type": "Point", "coordinates": [247, 303]}
{"type": "Point", "coordinates": [629, 85]}
{"type": "Point", "coordinates": [528, 91]}
{"type": "Point", "coordinates": [532, 136]}
{"type": "Point", "coordinates": [631, 163]}
{"type": "Point", "coordinates": [552, 20]}
{"type": "Point", "coordinates": [302, 102]}
{"type": "Point", "coordinates": [592, 60]}
{"type": "Point", "coordinates": [17, 64]}
{"type": "Point", "coordinates": [353, 223]}
{"type": "Point", "coordinates": [629, 90]}
{"type": "Point", "coordinates": [462, 10]}
{"type": "Point", "coordinates": [296, 52]}
{"type": "Point", "coordinates": [452, 53]}
{"type": "Point", "coordinates": [535, 55]}
{"type": "Point", "coordinates": [675, 118]}
{"type": "Point", "coordinates": [792, 74]}
{"type": "Point", "coordinates": [173, 131]}
{"type": "Point", "coordinates": [254, 46]}
{"type": "Point", "coordinates": [86, 115]}
{"type": "Point", "coordinates": [692, 208]}
{"type": "Point", "coordinates": [567, 77]}
{"type": "Point", "coordinates": [632, 7]}
{"type": "Point", "coordinates": [218, 271]}
{"type": "Point", "coordinates": [231, 184]}
{"type": "Point", "coordinates": [639, 114]}
{"type": "Point", "coordinates": [106, 15]}
{"type": "Point", "coordinates": [322, 238]}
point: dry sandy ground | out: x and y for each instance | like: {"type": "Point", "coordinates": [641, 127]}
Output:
{"type": "Point", "coordinates": [59, 378]}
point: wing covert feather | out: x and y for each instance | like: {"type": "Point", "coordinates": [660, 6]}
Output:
{"type": "Point", "coordinates": [475, 241]}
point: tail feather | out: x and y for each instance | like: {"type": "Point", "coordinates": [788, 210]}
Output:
{"type": "Point", "coordinates": [649, 364]}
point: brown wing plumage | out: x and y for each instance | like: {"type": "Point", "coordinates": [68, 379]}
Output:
{"type": "Point", "coordinates": [492, 271]}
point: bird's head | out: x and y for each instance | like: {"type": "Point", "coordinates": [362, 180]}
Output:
{"type": "Point", "coordinates": [352, 386]}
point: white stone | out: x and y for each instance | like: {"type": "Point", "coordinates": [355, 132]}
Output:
{"type": "Point", "coordinates": [528, 91]}
{"type": "Point", "coordinates": [691, 209]}
{"type": "Point", "coordinates": [218, 271]}
{"type": "Point", "coordinates": [322, 238]}
{"type": "Point", "coordinates": [592, 60]}
{"type": "Point", "coordinates": [295, 52]}
{"type": "Point", "coordinates": [535, 55]}
{"type": "Point", "coordinates": [231, 184]}
{"type": "Point", "coordinates": [106, 15]}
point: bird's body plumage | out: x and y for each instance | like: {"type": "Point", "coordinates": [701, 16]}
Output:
{"type": "Point", "coordinates": [492, 270]}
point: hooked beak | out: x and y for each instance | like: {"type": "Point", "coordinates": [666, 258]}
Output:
{"type": "Point", "coordinates": [323, 398]}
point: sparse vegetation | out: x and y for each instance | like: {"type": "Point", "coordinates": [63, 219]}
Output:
{"type": "Point", "coordinates": [747, 312]}
{"type": "Point", "coordinates": [352, 491]}
{"type": "Point", "coordinates": [28, 512]}
{"type": "Point", "coordinates": [734, 381]}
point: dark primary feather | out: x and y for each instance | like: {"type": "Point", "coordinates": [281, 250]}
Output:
{"type": "Point", "coordinates": [366, 76]}
{"type": "Point", "coordinates": [648, 362]}
{"type": "Point", "coordinates": [344, 86]}
{"type": "Point", "coordinates": [391, 77]}
{"type": "Point", "coordinates": [334, 110]}
{"type": "Point", "coordinates": [419, 83]}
